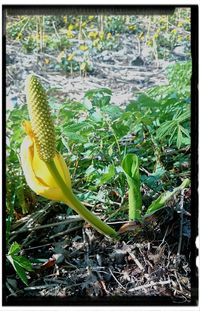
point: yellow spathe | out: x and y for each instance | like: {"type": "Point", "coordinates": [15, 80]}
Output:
{"type": "Point", "coordinates": [36, 171]}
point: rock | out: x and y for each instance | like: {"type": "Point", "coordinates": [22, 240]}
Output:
{"type": "Point", "coordinates": [180, 52]}
{"type": "Point", "coordinates": [138, 61]}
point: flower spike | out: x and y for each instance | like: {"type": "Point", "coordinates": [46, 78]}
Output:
{"type": "Point", "coordinates": [41, 122]}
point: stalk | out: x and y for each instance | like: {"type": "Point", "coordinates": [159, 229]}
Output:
{"type": "Point", "coordinates": [130, 166]}
{"type": "Point", "coordinates": [75, 204]}
{"type": "Point", "coordinates": [134, 199]}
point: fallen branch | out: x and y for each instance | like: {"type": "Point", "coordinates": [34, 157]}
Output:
{"type": "Point", "coordinates": [149, 285]}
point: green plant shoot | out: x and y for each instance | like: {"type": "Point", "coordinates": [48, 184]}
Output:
{"type": "Point", "coordinates": [130, 165]}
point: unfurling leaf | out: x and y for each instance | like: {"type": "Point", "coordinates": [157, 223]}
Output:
{"type": "Point", "coordinates": [130, 165]}
{"type": "Point", "coordinates": [164, 198]}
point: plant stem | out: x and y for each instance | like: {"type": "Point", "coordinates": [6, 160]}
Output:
{"type": "Point", "coordinates": [134, 198]}
{"type": "Point", "coordinates": [75, 204]}
{"type": "Point", "coordinates": [113, 132]}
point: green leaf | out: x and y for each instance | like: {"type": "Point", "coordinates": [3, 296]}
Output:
{"type": "Point", "coordinates": [153, 180]}
{"type": "Point", "coordinates": [120, 129]}
{"type": "Point", "coordinates": [20, 271]}
{"type": "Point", "coordinates": [185, 131]}
{"type": "Point", "coordinates": [77, 138]}
{"type": "Point", "coordinates": [166, 128]}
{"type": "Point", "coordinates": [109, 172]}
{"type": "Point", "coordinates": [23, 262]}
{"type": "Point", "coordinates": [14, 249]}
{"type": "Point", "coordinates": [164, 198]}
{"type": "Point", "coordinates": [184, 116]}
{"type": "Point", "coordinates": [99, 97]}
{"type": "Point", "coordinates": [186, 141]}
{"type": "Point", "coordinates": [130, 166]}
{"type": "Point", "coordinates": [91, 93]}
{"type": "Point", "coordinates": [87, 103]}
{"type": "Point", "coordinates": [179, 138]}
{"type": "Point", "coordinates": [172, 136]}
{"type": "Point", "coordinates": [19, 263]}
{"type": "Point", "coordinates": [147, 101]}
{"type": "Point", "coordinates": [96, 116]}
{"type": "Point", "coordinates": [160, 171]}
{"type": "Point", "coordinates": [113, 111]}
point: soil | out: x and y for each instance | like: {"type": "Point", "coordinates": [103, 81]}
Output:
{"type": "Point", "coordinates": [152, 259]}
{"type": "Point", "coordinates": [128, 69]}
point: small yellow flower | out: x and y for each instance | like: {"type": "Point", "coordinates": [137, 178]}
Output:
{"type": "Point", "coordinates": [19, 36]}
{"type": "Point", "coordinates": [132, 27]}
{"type": "Point", "coordinates": [156, 35]}
{"type": "Point", "coordinates": [141, 36]}
{"type": "Point", "coordinates": [96, 42]}
{"type": "Point", "coordinates": [71, 27]}
{"type": "Point", "coordinates": [70, 57]}
{"type": "Point", "coordinates": [83, 25]}
{"type": "Point", "coordinates": [93, 35]}
{"type": "Point", "coordinates": [109, 35]}
{"type": "Point", "coordinates": [69, 34]}
{"type": "Point", "coordinates": [36, 172]}
{"type": "Point", "coordinates": [173, 31]}
{"type": "Point", "coordinates": [83, 47]}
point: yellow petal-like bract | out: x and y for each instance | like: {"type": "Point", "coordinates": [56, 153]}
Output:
{"type": "Point", "coordinates": [36, 172]}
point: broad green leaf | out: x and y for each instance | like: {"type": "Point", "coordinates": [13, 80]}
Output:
{"type": "Point", "coordinates": [130, 166]}
{"type": "Point", "coordinates": [143, 99]}
{"type": "Point", "coordinates": [113, 111]}
{"type": "Point", "coordinates": [20, 271]}
{"type": "Point", "coordinates": [164, 198]}
{"type": "Point", "coordinates": [153, 180]}
{"type": "Point", "coordinates": [23, 262]}
{"type": "Point", "coordinates": [87, 103]}
{"type": "Point", "coordinates": [78, 127]}
{"type": "Point", "coordinates": [109, 173]}
{"type": "Point", "coordinates": [96, 116]}
{"type": "Point", "coordinates": [14, 249]}
{"type": "Point", "coordinates": [77, 138]}
{"type": "Point", "coordinates": [91, 93]}
{"type": "Point", "coordinates": [120, 129]}
{"type": "Point", "coordinates": [160, 171]}
{"type": "Point", "coordinates": [99, 97]}
{"type": "Point", "coordinates": [186, 141]}
{"type": "Point", "coordinates": [19, 263]}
